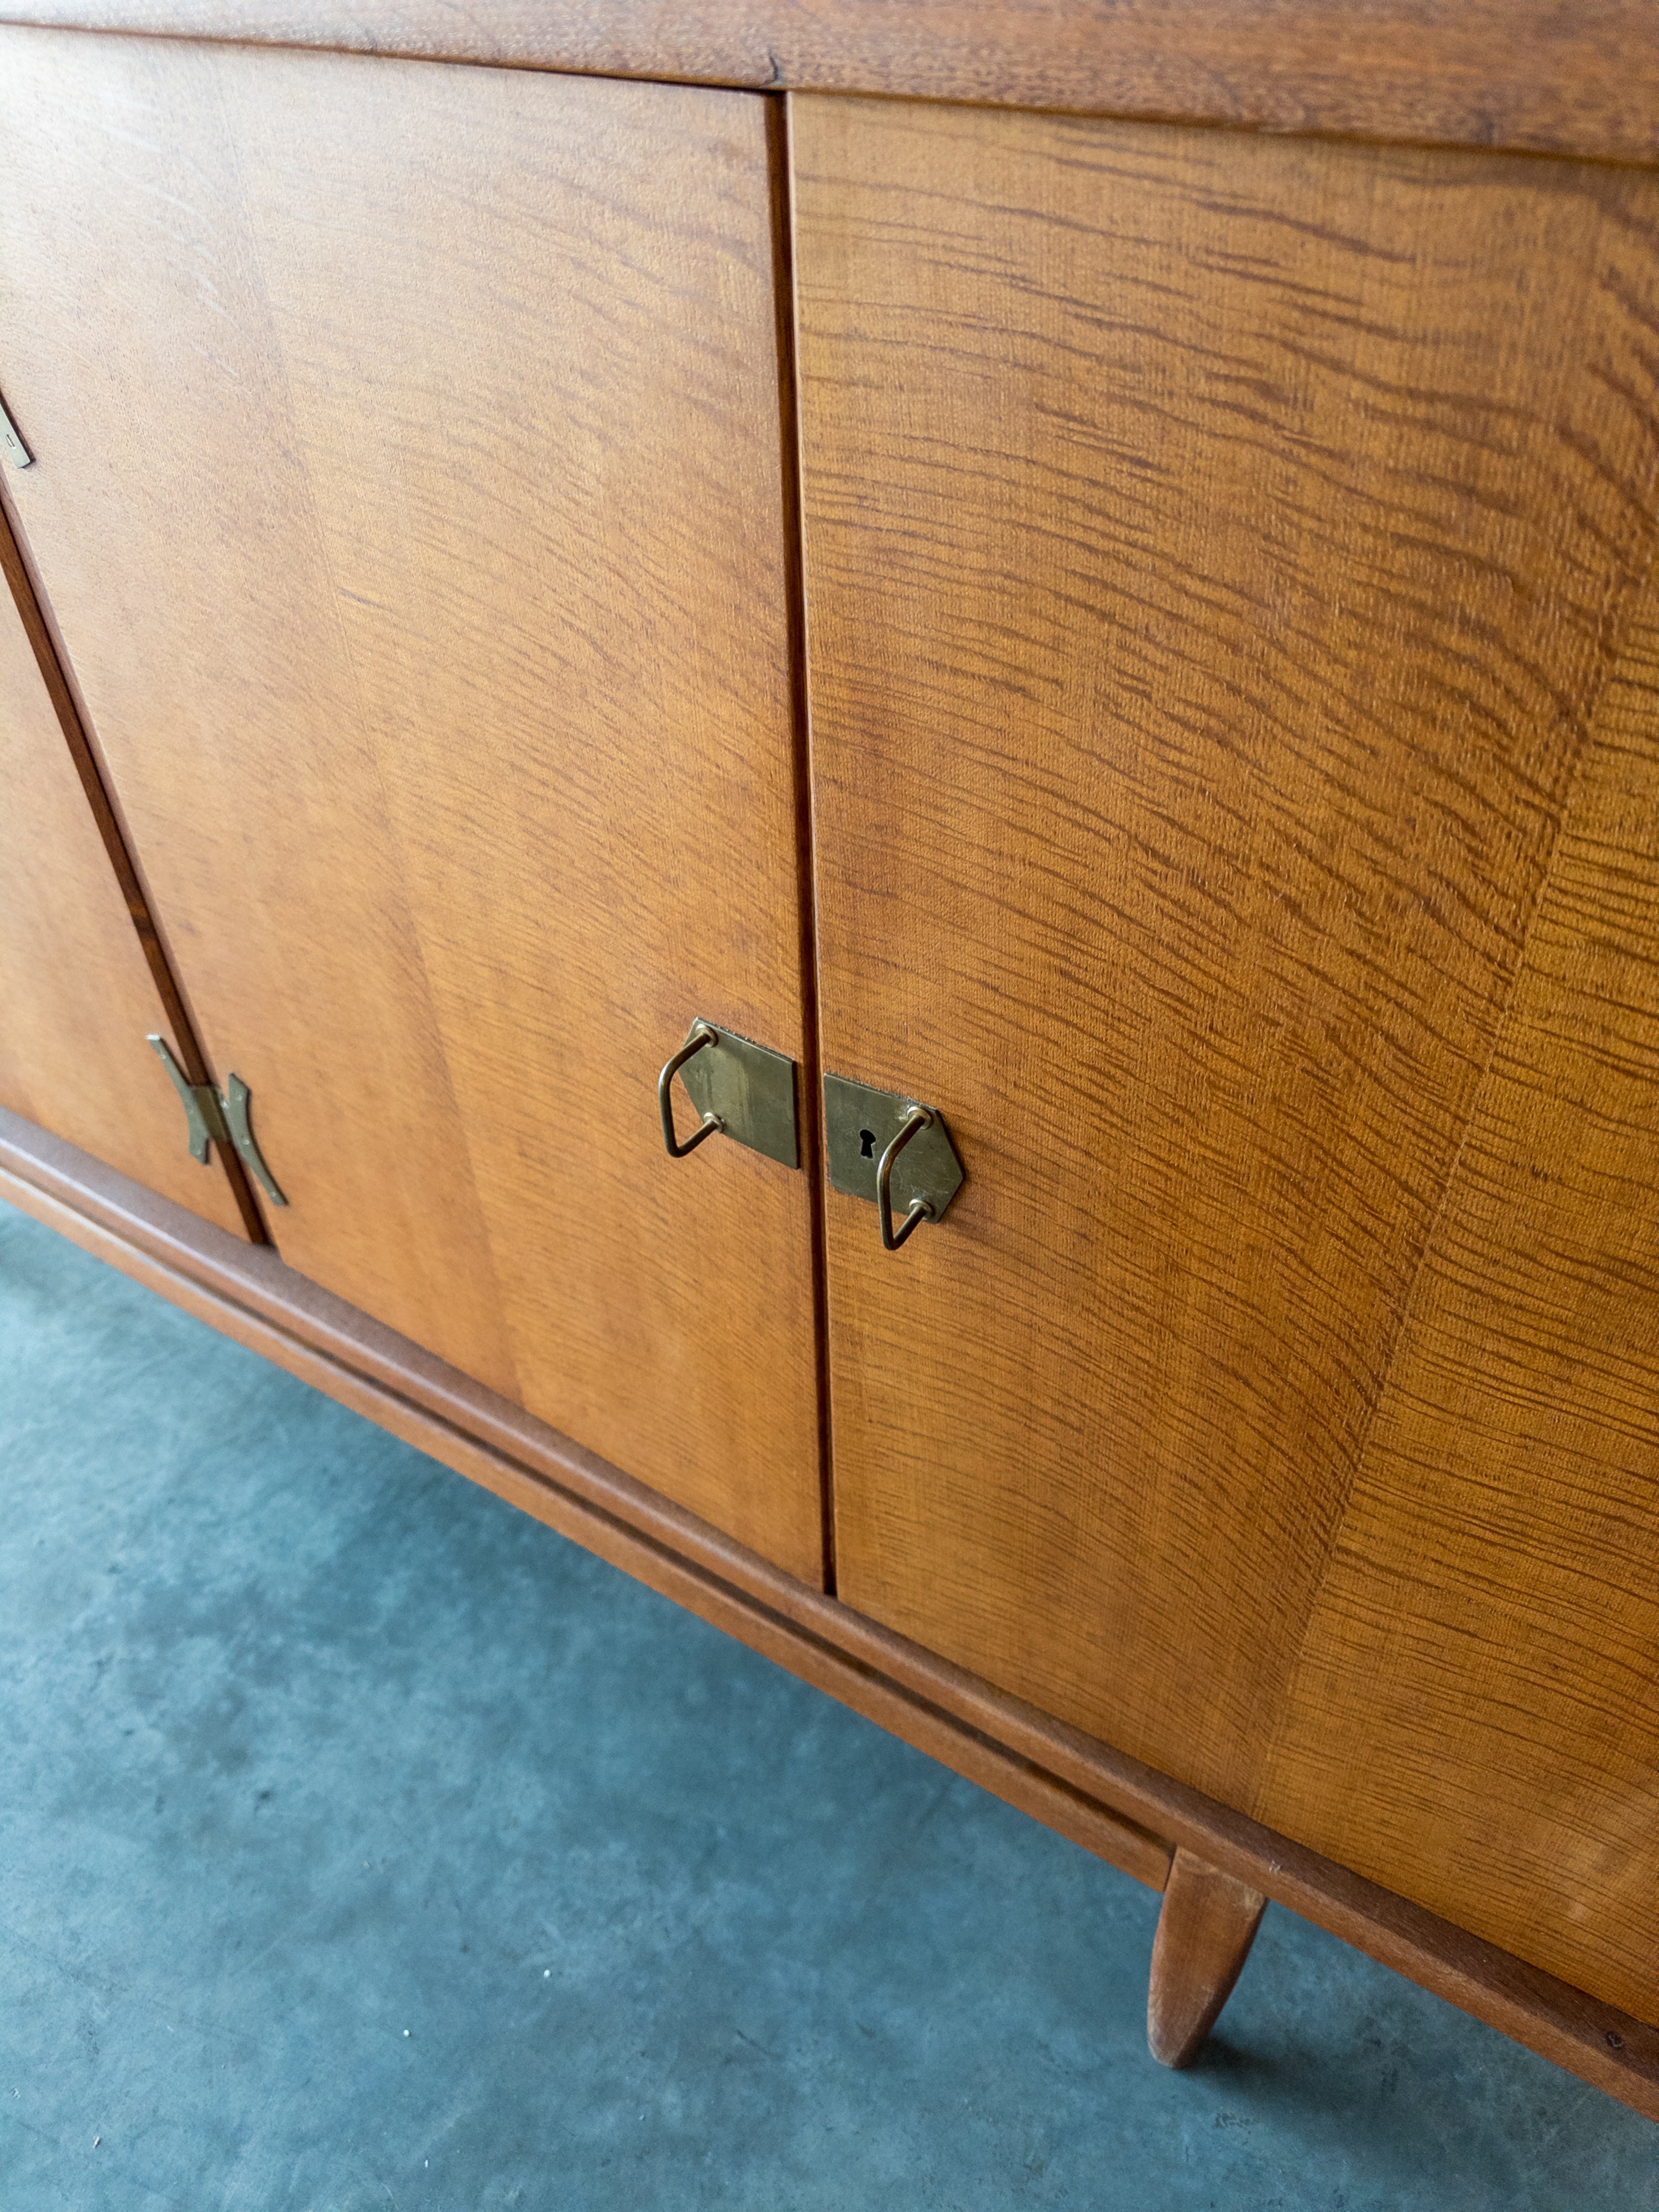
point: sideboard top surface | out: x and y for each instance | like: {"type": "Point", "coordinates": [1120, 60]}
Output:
{"type": "Point", "coordinates": [1576, 77]}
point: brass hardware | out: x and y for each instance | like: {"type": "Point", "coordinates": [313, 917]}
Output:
{"type": "Point", "coordinates": [11, 439]}
{"type": "Point", "coordinates": [920, 1209]}
{"type": "Point", "coordinates": [204, 1111]}
{"type": "Point", "coordinates": [742, 1090]}
{"type": "Point", "coordinates": [712, 1125]}
{"type": "Point", "coordinates": [211, 1119]}
{"type": "Point", "coordinates": [237, 1098]}
{"type": "Point", "coordinates": [891, 1150]}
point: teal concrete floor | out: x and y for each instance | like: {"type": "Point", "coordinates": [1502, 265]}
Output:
{"type": "Point", "coordinates": [364, 1845]}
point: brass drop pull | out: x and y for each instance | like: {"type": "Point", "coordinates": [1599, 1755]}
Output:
{"type": "Point", "coordinates": [920, 1209]}
{"type": "Point", "coordinates": [875, 1139]}
{"type": "Point", "coordinates": [742, 1091]}
{"type": "Point", "coordinates": [703, 1034]}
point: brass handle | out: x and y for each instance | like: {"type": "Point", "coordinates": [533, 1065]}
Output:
{"type": "Point", "coordinates": [921, 1209]}
{"type": "Point", "coordinates": [712, 1124]}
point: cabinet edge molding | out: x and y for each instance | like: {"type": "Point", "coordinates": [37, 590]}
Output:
{"type": "Point", "coordinates": [1125, 1813]}
{"type": "Point", "coordinates": [1527, 77]}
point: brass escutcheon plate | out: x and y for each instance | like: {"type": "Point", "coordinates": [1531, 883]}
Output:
{"type": "Point", "coordinates": [858, 1125]}
{"type": "Point", "coordinates": [750, 1087]}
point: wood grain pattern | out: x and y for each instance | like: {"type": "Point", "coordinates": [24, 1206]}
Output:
{"type": "Point", "coordinates": [417, 531]}
{"type": "Point", "coordinates": [1476, 1701]}
{"type": "Point", "coordinates": [1214, 551]}
{"type": "Point", "coordinates": [1533, 75]}
{"type": "Point", "coordinates": [176, 1023]}
{"type": "Point", "coordinates": [76, 997]}
{"type": "Point", "coordinates": [1205, 1931]}
{"type": "Point", "coordinates": [1112, 1804]}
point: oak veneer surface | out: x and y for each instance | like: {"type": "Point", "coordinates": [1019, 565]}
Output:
{"type": "Point", "coordinates": [1478, 1687]}
{"type": "Point", "coordinates": [1536, 74]}
{"type": "Point", "coordinates": [77, 1001]}
{"type": "Point", "coordinates": [1213, 550]}
{"type": "Point", "coordinates": [408, 495]}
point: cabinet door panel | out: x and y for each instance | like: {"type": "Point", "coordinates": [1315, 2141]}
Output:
{"type": "Point", "coordinates": [77, 1001]}
{"type": "Point", "coordinates": [1475, 1703]}
{"type": "Point", "coordinates": [415, 527]}
{"type": "Point", "coordinates": [1214, 549]}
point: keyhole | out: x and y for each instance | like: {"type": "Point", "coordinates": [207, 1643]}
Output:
{"type": "Point", "coordinates": [866, 1144]}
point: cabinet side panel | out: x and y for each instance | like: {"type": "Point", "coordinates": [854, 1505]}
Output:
{"type": "Point", "coordinates": [77, 1001]}
{"type": "Point", "coordinates": [1215, 550]}
{"type": "Point", "coordinates": [415, 529]}
{"type": "Point", "coordinates": [1477, 1701]}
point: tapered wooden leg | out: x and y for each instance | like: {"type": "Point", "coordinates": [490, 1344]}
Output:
{"type": "Point", "coordinates": [1204, 1936]}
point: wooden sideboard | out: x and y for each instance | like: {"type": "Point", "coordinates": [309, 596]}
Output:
{"type": "Point", "coordinates": [1104, 593]}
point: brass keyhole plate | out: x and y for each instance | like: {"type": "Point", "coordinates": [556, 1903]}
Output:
{"type": "Point", "coordinates": [927, 1168]}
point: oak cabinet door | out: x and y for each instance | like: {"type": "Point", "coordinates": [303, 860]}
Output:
{"type": "Point", "coordinates": [1215, 548]}
{"type": "Point", "coordinates": [77, 999]}
{"type": "Point", "coordinates": [408, 495]}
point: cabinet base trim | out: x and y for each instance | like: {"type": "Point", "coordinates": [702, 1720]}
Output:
{"type": "Point", "coordinates": [1124, 1812]}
